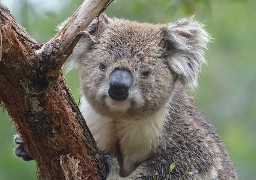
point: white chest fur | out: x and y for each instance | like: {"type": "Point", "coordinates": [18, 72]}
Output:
{"type": "Point", "coordinates": [137, 138]}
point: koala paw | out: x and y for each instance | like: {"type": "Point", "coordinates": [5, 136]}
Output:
{"type": "Point", "coordinates": [108, 162]}
{"type": "Point", "coordinates": [20, 150]}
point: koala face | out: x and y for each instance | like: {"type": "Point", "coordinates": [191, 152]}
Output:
{"type": "Point", "coordinates": [132, 67]}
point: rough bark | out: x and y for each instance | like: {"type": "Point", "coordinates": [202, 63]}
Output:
{"type": "Point", "coordinates": [33, 91]}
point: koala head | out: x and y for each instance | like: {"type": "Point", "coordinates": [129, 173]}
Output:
{"type": "Point", "coordinates": [131, 68]}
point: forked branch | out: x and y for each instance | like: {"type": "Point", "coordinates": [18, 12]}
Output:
{"type": "Point", "coordinates": [35, 95]}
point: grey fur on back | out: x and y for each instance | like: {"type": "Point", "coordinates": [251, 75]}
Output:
{"type": "Point", "coordinates": [159, 133]}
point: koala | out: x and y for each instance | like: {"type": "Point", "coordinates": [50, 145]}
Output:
{"type": "Point", "coordinates": [134, 79]}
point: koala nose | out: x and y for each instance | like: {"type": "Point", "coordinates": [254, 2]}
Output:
{"type": "Point", "coordinates": [120, 80]}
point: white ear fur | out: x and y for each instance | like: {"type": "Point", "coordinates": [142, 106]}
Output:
{"type": "Point", "coordinates": [189, 41]}
{"type": "Point", "coordinates": [97, 26]}
{"type": "Point", "coordinates": [83, 45]}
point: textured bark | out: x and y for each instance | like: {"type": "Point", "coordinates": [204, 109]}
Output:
{"type": "Point", "coordinates": [35, 95]}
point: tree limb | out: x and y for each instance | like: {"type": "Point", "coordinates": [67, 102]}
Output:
{"type": "Point", "coordinates": [74, 25]}
{"type": "Point", "coordinates": [35, 95]}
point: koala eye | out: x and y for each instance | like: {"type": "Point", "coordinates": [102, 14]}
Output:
{"type": "Point", "coordinates": [102, 67]}
{"type": "Point", "coordinates": [145, 74]}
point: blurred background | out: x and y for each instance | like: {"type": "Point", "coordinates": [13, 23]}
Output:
{"type": "Point", "coordinates": [227, 86]}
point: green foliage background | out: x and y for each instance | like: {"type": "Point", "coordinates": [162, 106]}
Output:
{"type": "Point", "coordinates": [227, 86]}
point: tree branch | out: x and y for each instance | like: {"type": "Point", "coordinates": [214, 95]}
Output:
{"type": "Point", "coordinates": [35, 95]}
{"type": "Point", "coordinates": [69, 34]}
{"type": "Point", "coordinates": [82, 18]}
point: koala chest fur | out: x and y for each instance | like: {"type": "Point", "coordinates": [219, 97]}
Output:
{"type": "Point", "coordinates": [133, 78]}
{"type": "Point", "coordinates": [131, 140]}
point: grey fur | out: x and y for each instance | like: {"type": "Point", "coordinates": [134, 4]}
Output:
{"type": "Point", "coordinates": [158, 132]}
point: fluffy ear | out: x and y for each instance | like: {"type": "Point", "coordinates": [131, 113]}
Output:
{"type": "Point", "coordinates": [98, 25]}
{"type": "Point", "coordinates": [186, 41]}
{"type": "Point", "coordinates": [87, 41]}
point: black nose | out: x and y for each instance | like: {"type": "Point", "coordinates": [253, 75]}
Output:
{"type": "Point", "coordinates": [120, 80]}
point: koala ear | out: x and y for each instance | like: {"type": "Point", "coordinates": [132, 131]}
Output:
{"type": "Point", "coordinates": [185, 42]}
{"type": "Point", "coordinates": [87, 41]}
{"type": "Point", "coordinates": [98, 25]}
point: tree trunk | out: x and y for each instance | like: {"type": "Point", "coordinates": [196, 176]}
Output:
{"type": "Point", "coordinates": [33, 91]}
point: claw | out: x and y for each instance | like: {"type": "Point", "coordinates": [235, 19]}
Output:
{"type": "Point", "coordinates": [17, 139]}
{"type": "Point", "coordinates": [108, 161]}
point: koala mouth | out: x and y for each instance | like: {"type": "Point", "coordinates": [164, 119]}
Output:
{"type": "Point", "coordinates": [117, 105]}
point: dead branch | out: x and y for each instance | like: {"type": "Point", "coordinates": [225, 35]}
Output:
{"type": "Point", "coordinates": [35, 95]}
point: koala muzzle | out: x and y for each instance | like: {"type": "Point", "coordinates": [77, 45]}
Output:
{"type": "Point", "coordinates": [120, 80]}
